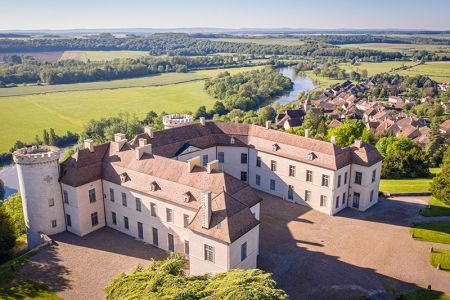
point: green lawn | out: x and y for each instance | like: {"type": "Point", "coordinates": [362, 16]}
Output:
{"type": "Point", "coordinates": [442, 257]}
{"type": "Point", "coordinates": [437, 232]}
{"type": "Point", "coordinates": [415, 185]}
{"type": "Point", "coordinates": [437, 209]}
{"type": "Point", "coordinates": [22, 117]}
{"type": "Point", "coordinates": [423, 294]}
{"type": "Point", "coordinates": [322, 82]}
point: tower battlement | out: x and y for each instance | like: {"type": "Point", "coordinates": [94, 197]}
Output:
{"type": "Point", "coordinates": [36, 154]}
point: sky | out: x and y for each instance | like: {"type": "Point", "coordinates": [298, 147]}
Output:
{"type": "Point", "coordinates": [317, 14]}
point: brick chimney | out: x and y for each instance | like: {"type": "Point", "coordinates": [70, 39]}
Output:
{"type": "Point", "coordinates": [191, 163]}
{"type": "Point", "coordinates": [143, 148]}
{"type": "Point", "coordinates": [202, 121]}
{"type": "Point", "coordinates": [89, 144]}
{"type": "Point", "coordinates": [268, 124]}
{"type": "Point", "coordinates": [206, 198]}
{"type": "Point", "coordinates": [149, 131]}
{"type": "Point", "coordinates": [119, 141]}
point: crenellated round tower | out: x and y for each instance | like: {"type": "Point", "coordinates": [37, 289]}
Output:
{"type": "Point", "coordinates": [38, 172]}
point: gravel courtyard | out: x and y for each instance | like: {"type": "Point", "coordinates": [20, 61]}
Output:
{"type": "Point", "coordinates": [351, 255]}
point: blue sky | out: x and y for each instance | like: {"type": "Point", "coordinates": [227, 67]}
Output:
{"type": "Point", "coordinates": [66, 14]}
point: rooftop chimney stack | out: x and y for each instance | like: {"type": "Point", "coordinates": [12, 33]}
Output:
{"type": "Point", "coordinates": [268, 124]}
{"type": "Point", "coordinates": [191, 163]}
{"type": "Point", "coordinates": [202, 121]}
{"type": "Point", "coordinates": [206, 208]}
{"type": "Point", "coordinates": [236, 119]}
{"type": "Point", "coordinates": [149, 131]}
{"type": "Point", "coordinates": [142, 142]}
{"type": "Point", "coordinates": [212, 166]}
{"type": "Point", "coordinates": [89, 144]}
{"type": "Point", "coordinates": [307, 133]}
{"type": "Point", "coordinates": [358, 143]}
{"type": "Point", "coordinates": [333, 139]}
{"type": "Point", "coordinates": [119, 141]}
{"type": "Point", "coordinates": [143, 148]}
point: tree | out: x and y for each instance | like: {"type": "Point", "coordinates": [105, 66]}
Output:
{"type": "Point", "coordinates": [364, 73]}
{"type": "Point", "coordinates": [403, 158]}
{"type": "Point", "coordinates": [45, 137]}
{"type": "Point", "coordinates": [7, 236]}
{"type": "Point", "coordinates": [166, 280]}
{"type": "Point", "coordinates": [440, 186]}
{"type": "Point", "coordinates": [347, 133]}
{"type": "Point", "coordinates": [219, 108]}
{"type": "Point", "coordinates": [52, 137]}
{"type": "Point", "coordinates": [201, 112]}
{"type": "Point", "coordinates": [2, 190]}
{"type": "Point", "coordinates": [13, 208]}
{"type": "Point", "coordinates": [266, 113]}
{"type": "Point", "coordinates": [435, 147]}
{"type": "Point", "coordinates": [150, 117]}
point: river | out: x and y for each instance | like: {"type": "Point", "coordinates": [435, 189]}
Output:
{"type": "Point", "coordinates": [301, 84]}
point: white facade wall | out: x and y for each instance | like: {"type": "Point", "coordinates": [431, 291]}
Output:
{"type": "Point", "coordinates": [232, 160]}
{"type": "Point", "coordinates": [366, 186]}
{"type": "Point", "coordinates": [197, 263]}
{"type": "Point", "coordinates": [80, 208]}
{"type": "Point", "coordinates": [211, 152]}
{"type": "Point", "coordinates": [252, 240]}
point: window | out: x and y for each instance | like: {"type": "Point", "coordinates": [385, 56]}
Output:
{"type": "Point", "coordinates": [51, 202]}
{"type": "Point", "coordinates": [153, 209]}
{"type": "Point", "coordinates": [124, 199]}
{"type": "Point", "coordinates": [307, 196]}
{"type": "Point", "coordinates": [140, 231]}
{"type": "Point", "coordinates": [258, 161]}
{"type": "Point", "coordinates": [343, 198]}
{"type": "Point", "coordinates": [374, 175]}
{"type": "Point", "coordinates": [92, 196]}
{"type": "Point", "coordinates": [272, 184]}
{"type": "Point", "coordinates": [244, 176]}
{"type": "Point", "coordinates": [169, 215]}
{"type": "Point", "coordinates": [337, 201]}
{"type": "Point", "coordinates": [170, 242]}
{"type": "Point", "coordinates": [243, 251]}
{"type": "Point", "coordinates": [345, 178]}
{"type": "Point", "coordinates": [94, 219]}
{"type": "Point", "coordinates": [273, 165]}
{"type": "Point", "coordinates": [114, 218]}
{"type": "Point", "coordinates": [325, 180]}
{"type": "Point", "coordinates": [209, 253]}
{"type": "Point", "coordinates": [309, 177]}
{"type": "Point", "coordinates": [339, 181]}
{"type": "Point", "coordinates": [66, 197]}
{"type": "Point", "coordinates": [258, 179]}
{"type": "Point", "coordinates": [54, 223]}
{"type": "Point", "coordinates": [290, 192]}
{"type": "Point", "coordinates": [371, 196]}
{"type": "Point", "coordinates": [292, 171]}
{"type": "Point", "coordinates": [205, 159]}
{"type": "Point", "coordinates": [186, 247]}
{"type": "Point", "coordinates": [221, 156]}
{"type": "Point", "coordinates": [68, 220]}
{"type": "Point", "coordinates": [138, 204]}
{"type": "Point", "coordinates": [358, 177]}
{"type": "Point", "coordinates": [323, 200]}
{"type": "Point", "coordinates": [186, 220]}
{"type": "Point", "coordinates": [155, 236]}
{"type": "Point", "coordinates": [111, 195]}
{"type": "Point", "coordinates": [125, 223]}
{"type": "Point", "coordinates": [243, 158]}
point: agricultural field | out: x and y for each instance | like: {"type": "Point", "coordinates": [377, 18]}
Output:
{"type": "Point", "coordinates": [22, 117]}
{"type": "Point", "coordinates": [375, 68]}
{"type": "Point", "coordinates": [439, 70]}
{"type": "Point", "coordinates": [388, 47]}
{"type": "Point", "coordinates": [101, 55]}
{"type": "Point", "coordinates": [322, 82]}
{"type": "Point", "coordinates": [40, 56]}
{"type": "Point", "coordinates": [262, 41]}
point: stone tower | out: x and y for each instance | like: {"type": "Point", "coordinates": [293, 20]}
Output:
{"type": "Point", "coordinates": [38, 172]}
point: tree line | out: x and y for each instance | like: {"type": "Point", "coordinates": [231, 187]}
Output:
{"type": "Point", "coordinates": [18, 69]}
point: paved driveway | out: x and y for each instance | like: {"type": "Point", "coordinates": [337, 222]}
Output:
{"type": "Point", "coordinates": [351, 255]}
{"type": "Point", "coordinates": [80, 268]}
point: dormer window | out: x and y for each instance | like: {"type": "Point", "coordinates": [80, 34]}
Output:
{"type": "Point", "coordinates": [187, 197]}
{"type": "Point", "coordinates": [153, 186]}
{"type": "Point", "coordinates": [311, 156]}
{"type": "Point", "coordinates": [275, 147]}
{"type": "Point", "coordinates": [232, 140]}
{"type": "Point", "coordinates": [124, 177]}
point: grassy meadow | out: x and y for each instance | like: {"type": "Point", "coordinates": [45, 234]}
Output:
{"type": "Point", "coordinates": [24, 116]}
{"type": "Point", "coordinates": [414, 185]}
{"type": "Point", "coordinates": [375, 68]}
{"type": "Point", "coordinates": [388, 47]}
{"type": "Point", "coordinates": [262, 41]}
{"type": "Point", "coordinates": [438, 71]}
{"type": "Point", "coordinates": [101, 55]}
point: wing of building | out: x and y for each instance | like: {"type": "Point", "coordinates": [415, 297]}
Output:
{"type": "Point", "coordinates": [191, 189]}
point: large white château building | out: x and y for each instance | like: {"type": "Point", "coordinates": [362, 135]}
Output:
{"type": "Point", "coordinates": [191, 189]}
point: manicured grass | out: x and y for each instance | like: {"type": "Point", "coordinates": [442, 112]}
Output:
{"type": "Point", "coordinates": [437, 232]}
{"type": "Point", "coordinates": [439, 71]}
{"type": "Point", "coordinates": [442, 257]}
{"type": "Point", "coordinates": [101, 55]}
{"type": "Point", "coordinates": [22, 117]}
{"type": "Point", "coordinates": [437, 209]}
{"type": "Point", "coordinates": [27, 290]}
{"type": "Point", "coordinates": [375, 68]}
{"type": "Point", "coordinates": [423, 294]}
{"type": "Point", "coordinates": [415, 185]}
